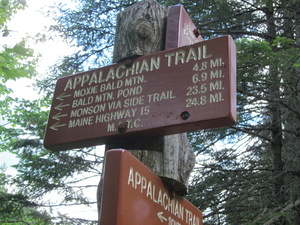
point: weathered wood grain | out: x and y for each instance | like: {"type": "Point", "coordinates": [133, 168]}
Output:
{"type": "Point", "coordinates": [141, 31]}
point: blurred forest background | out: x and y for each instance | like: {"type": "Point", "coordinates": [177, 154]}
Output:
{"type": "Point", "coordinates": [245, 174]}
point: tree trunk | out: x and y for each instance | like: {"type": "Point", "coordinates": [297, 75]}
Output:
{"type": "Point", "coordinates": [297, 22]}
{"type": "Point", "coordinates": [291, 117]}
{"type": "Point", "coordinates": [275, 115]}
{"type": "Point", "coordinates": [141, 31]}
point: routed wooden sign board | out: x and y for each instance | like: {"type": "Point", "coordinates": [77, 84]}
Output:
{"type": "Point", "coordinates": [179, 90]}
{"type": "Point", "coordinates": [134, 195]}
{"type": "Point", "coordinates": [181, 30]}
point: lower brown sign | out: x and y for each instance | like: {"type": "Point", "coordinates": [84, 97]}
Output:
{"type": "Point", "coordinates": [134, 195]}
{"type": "Point", "coordinates": [175, 91]}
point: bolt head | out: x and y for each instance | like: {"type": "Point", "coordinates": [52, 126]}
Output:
{"type": "Point", "coordinates": [196, 32]}
{"type": "Point", "coordinates": [122, 128]}
{"type": "Point", "coordinates": [185, 115]}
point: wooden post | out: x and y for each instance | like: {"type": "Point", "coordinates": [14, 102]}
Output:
{"type": "Point", "coordinates": [141, 31]}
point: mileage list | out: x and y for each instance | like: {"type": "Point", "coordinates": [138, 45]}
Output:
{"type": "Point", "coordinates": [178, 90]}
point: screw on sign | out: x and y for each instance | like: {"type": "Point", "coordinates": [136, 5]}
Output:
{"type": "Point", "coordinates": [175, 91]}
{"type": "Point", "coordinates": [134, 195]}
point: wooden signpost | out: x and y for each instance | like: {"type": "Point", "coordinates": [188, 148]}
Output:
{"type": "Point", "coordinates": [174, 91]}
{"type": "Point", "coordinates": [188, 87]}
{"type": "Point", "coordinates": [134, 195]}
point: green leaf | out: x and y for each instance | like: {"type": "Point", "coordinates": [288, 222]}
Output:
{"type": "Point", "coordinates": [21, 50]}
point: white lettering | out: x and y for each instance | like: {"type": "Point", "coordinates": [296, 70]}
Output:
{"type": "Point", "coordinates": [117, 115]}
{"type": "Point", "coordinates": [130, 177]}
{"type": "Point", "coordinates": [134, 101]}
{"type": "Point", "coordinates": [157, 97]}
{"type": "Point", "coordinates": [181, 56]}
{"type": "Point", "coordinates": [137, 181]}
{"type": "Point", "coordinates": [126, 92]}
{"type": "Point", "coordinates": [81, 122]}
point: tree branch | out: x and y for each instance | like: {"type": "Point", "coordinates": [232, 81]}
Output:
{"type": "Point", "coordinates": [285, 209]}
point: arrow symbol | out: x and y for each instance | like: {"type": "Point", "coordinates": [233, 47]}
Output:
{"type": "Point", "coordinates": [62, 96]}
{"type": "Point", "coordinates": [60, 106]}
{"type": "Point", "coordinates": [161, 217]}
{"type": "Point", "coordinates": [58, 115]}
{"type": "Point", "coordinates": [56, 126]}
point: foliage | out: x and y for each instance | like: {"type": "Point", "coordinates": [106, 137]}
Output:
{"type": "Point", "coordinates": [256, 174]}
{"type": "Point", "coordinates": [43, 172]}
{"type": "Point", "coordinates": [15, 61]}
{"type": "Point", "coordinates": [11, 62]}
{"type": "Point", "coordinates": [9, 8]}
{"type": "Point", "coordinates": [16, 208]}
{"type": "Point", "coordinates": [247, 173]}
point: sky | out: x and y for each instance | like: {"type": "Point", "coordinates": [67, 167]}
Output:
{"type": "Point", "coordinates": [29, 22]}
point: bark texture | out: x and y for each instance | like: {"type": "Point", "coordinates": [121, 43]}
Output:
{"type": "Point", "coordinates": [141, 31]}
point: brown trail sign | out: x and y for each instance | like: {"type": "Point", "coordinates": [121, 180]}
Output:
{"type": "Point", "coordinates": [179, 90]}
{"type": "Point", "coordinates": [134, 195]}
{"type": "Point", "coordinates": [181, 30]}
{"type": "Point", "coordinates": [174, 91]}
